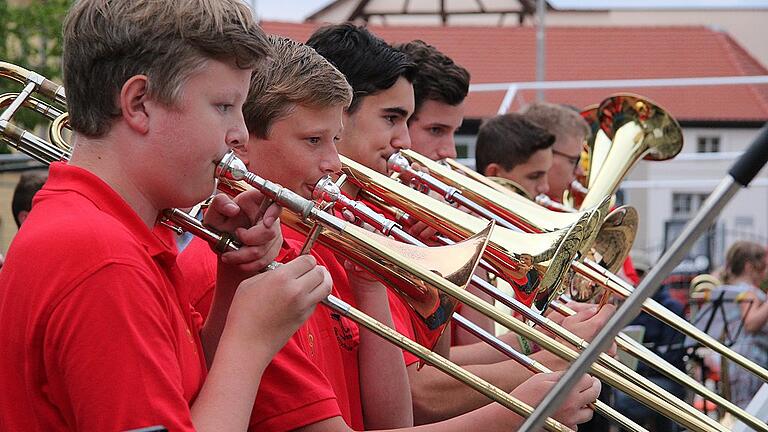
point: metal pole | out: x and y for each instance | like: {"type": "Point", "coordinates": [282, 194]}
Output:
{"type": "Point", "coordinates": [740, 175]}
{"type": "Point", "coordinates": [541, 11]}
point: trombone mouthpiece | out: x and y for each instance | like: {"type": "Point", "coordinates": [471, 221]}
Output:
{"type": "Point", "coordinates": [398, 163]}
{"type": "Point", "coordinates": [230, 167]}
{"type": "Point", "coordinates": [326, 191]}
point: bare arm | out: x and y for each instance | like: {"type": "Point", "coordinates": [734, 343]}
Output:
{"type": "Point", "coordinates": [226, 399]}
{"type": "Point", "coordinates": [437, 396]}
{"type": "Point", "coordinates": [249, 321]}
{"type": "Point", "coordinates": [756, 316]}
{"type": "Point", "coordinates": [261, 238]}
{"type": "Point", "coordinates": [384, 388]}
{"type": "Point", "coordinates": [462, 336]}
{"type": "Point", "coordinates": [260, 321]}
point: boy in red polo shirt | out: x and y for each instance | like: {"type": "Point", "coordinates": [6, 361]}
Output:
{"type": "Point", "coordinates": [95, 322]}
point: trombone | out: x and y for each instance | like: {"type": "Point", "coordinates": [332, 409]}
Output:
{"type": "Point", "coordinates": [507, 250]}
{"type": "Point", "coordinates": [617, 232]}
{"type": "Point", "coordinates": [385, 257]}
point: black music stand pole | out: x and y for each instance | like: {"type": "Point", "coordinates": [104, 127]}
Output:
{"type": "Point", "coordinates": [740, 174]}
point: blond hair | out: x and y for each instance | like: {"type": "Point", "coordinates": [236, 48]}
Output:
{"type": "Point", "coordinates": [106, 42]}
{"type": "Point", "coordinates": [296, 75]}
{"type": "Point", "coordinates": [559, 120]}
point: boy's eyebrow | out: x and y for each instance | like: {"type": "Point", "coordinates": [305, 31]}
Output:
{"type": "Point", "coordinates": [230, 93]}
{"type": "Point", "coordinates": [316, 131]}
{"type": "Point", "coordinates": [396, 110]}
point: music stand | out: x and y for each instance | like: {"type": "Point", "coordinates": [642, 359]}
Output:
{"type": "Point", "coordinates": [713, 320]}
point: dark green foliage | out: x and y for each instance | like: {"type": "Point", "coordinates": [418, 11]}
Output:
{"type": "Point", "coordinates": [30, 36]}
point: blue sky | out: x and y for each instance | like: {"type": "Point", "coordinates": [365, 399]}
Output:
{"type": "Point", "coordinates": [297, 10]}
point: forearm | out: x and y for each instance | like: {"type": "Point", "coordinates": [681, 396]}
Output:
{"type": "Point", "coordinates": [482, 353]}
{"type": "Point", "coordinates": [463, 337]}
{"type": "Point", "coordinates": [490, 418]}
{"type": "Point", "coordinates": [226, 286]}
{"type": "Point", "coordinates": [437, 396]}
{"type": "Point", "coordinates": [227, 396]}
{"type": "Point", "coordinates": [384, 387]}
{"type": "Point", "coordinates": [756, 318]}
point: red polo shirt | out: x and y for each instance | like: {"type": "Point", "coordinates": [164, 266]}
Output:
{"type": "Point", "coordinates": [97, 333]}
{"type": "Point", "coordinates": [315, 376]}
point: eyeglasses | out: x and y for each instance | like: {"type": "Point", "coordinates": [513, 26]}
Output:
{"type": "Point", "coordinates": [574, 160]}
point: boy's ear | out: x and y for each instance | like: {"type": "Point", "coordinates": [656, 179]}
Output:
{"type": "Point", "coordinates": [133, 103]}
{"type": "Point", "coordinates": [492, 170]}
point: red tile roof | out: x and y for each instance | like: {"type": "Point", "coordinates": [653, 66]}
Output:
{"type": "Point", "coordinates": [508, 54]}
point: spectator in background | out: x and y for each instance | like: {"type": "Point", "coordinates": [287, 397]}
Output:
{"type": "Point", "coordinates": [745, 269]}
{"type": "Point", "coordinates": [29, 183]}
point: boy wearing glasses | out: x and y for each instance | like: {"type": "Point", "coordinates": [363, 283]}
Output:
{"type": "Point", "coordinates": [570, 131]}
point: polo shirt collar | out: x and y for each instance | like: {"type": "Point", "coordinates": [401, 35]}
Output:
{"type": "Point", "coordinates": [68, 178]}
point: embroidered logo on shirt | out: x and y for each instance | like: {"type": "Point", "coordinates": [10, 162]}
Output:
{"type": "Point", "coordinates": [311, 342]}
{"type": "Point", "coordinates": [344, 335]}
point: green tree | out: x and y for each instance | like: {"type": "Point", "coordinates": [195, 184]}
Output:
{"type": "Point", "coordinates": [30, 37]}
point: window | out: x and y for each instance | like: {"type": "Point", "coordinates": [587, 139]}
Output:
{"type": "Point", "coordinates": [465, 146]}
{"type": "Point", "coordinates": [684, 205]}
{"type": "Point", "coordinates": [462, 152]}
{"type": "Point", "coordinates": [708, 144]}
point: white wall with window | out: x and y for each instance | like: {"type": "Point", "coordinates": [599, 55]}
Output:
{"type": "Point", "coordinates": [669, 193]}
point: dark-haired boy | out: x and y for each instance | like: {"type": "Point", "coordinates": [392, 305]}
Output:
{"type": "Point", "coordinates": [514, 148]}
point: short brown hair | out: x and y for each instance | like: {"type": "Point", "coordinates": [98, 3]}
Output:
{"type": "Point", "coordinates": [437, 77]}
{"type": "Point", "coordinates": [296, 75]}
{"type": "Point", "coordinates": [559, 120]}
{"type": "Point", "coordinates": [739, 254]}
{"type": "Point", "coordinates": [108, 41]}
{"type": "Point", "coordinates": [29, 183]}
{"type": "Point", "coordinates": [509, 140]}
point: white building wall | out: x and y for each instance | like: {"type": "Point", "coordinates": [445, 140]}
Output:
{"type": "Point", "coordinates": [651, 185]}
